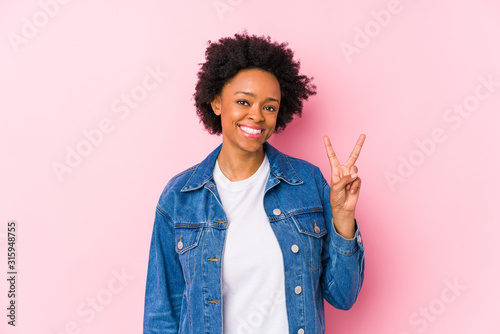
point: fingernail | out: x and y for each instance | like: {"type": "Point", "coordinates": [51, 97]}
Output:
{"type": "Point", "coordinates": [354, 175]}
{"type": "Point", "coordinates": [348, 187]}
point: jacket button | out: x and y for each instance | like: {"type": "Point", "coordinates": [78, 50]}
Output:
{"type": "Point", "coordinates": [180, 245]}
{"type": "Point", "coordinates": [295, 248]}
{"type": "Point", "coordinates": [277, 212]}
{"type": "Point", "coordinates": [298, 289]}
{"type": "Point", "coordinates": [300, 331]}
{"type": "Point", "coordinates": [317, 229]}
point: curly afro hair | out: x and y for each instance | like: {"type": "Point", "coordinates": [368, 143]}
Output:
{"type": "Point", "coordinates": [225, 58]}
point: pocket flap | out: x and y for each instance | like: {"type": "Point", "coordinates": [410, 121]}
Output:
{"type": "Point", "coordinates": [311, 223]}
{"type": "Point", "coordinates": [186, 238]}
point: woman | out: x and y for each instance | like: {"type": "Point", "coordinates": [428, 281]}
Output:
{"type": "Point", "coordinates": [251, 240]}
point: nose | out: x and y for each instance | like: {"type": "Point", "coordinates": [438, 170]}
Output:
{"type": "Point", "coordinates": [255, 114]}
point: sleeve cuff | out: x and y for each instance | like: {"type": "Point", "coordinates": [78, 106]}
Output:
{"type": "Point", "coordinates": [347, 246]}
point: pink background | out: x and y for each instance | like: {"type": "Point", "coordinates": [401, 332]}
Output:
{"type": "Point", "coordinates": [65, 73]}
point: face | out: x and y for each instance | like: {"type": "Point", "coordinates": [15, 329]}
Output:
{"type": "Point", "coordinates": [248, 106]}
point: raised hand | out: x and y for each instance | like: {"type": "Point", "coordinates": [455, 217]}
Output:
{"type": "Point", "coordinates": [344, 187]}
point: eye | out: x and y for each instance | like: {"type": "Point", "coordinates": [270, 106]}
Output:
{"type": "Point", "coordinates": [243, 102]}
{"type": "Point", "coordinates": [270, 108]}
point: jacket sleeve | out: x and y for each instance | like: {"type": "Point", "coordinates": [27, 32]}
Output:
{"type": "Point", "coordinates": [343, 261]}
{"type": "Point", "coordinates": [165, 282]}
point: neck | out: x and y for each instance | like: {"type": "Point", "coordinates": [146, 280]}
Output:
{"type": "Point", "coordinates": [237, 166]}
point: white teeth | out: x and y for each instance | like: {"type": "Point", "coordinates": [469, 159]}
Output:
{"type": "Point", "coordinates": [250, 130]}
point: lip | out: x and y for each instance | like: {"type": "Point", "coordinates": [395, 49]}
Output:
{"type": "Point", "coordinates": [251, 135]}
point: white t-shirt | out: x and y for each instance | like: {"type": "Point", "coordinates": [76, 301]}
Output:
{"type": "Point", "coordinates": [253, 277]}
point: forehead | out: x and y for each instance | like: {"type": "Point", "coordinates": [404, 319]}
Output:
{"type": "Point", "coordinates": [255, 80]}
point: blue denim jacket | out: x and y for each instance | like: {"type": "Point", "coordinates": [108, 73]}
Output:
{"type": "Point", "coordinates": [184, 283]}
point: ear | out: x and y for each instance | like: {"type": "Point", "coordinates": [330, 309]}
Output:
{"type": "Point", "coordinates": [216, 105]}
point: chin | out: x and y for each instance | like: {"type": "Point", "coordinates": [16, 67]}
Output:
{"type": "Point", "coordinates": [252, 147]}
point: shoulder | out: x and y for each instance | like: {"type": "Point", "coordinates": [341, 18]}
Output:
{"type": "Point", "coordinates": [175, 185]}
{"type": "Point", "coordinates": [299, 163]}
{"type": "Point", "coordinates": [193, 178]}
{"type": "Point", "coordinates": [306, 170]}
{"type": "Point", "coordinates": [293, 166]}
{"type": "Point", "coordinates": [179, 180]}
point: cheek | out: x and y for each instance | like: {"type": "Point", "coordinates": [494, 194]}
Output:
{"type": "Point", "coordinates": [274, 121]}
{"type": "Point", "coordinates": [272, 124]}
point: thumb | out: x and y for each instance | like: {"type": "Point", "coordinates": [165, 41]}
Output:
{"type": "Point", "coordinates": [346, 179]}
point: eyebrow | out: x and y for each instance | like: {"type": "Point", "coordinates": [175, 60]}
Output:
{"type": "Point", "coordinates": [253, 95]}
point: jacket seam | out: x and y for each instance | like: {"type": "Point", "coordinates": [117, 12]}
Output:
{"type": "Point", "coordinates": [344, 253]}
{"type": "Point", "coordinates": [291, 166]}
{"type": "Point", "coordinates": [164, 213]}
{"type": "Point", "coordinates": [185, 171]}
{"type": "Point", "coordinates": [194, 172]}
{"type": "Point", "coordinates": [296, 212]}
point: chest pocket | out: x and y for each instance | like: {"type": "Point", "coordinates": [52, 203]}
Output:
{"type": "Point", "coordinates": [312, 228]}
{"type": "Point", "coordinates": [187, 240]}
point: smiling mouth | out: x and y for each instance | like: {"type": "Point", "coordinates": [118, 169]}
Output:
{"type": "Point", "coordinates": [250, 130]}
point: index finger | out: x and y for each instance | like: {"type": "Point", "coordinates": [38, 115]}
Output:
{"type": "Point", "coordinates": [355, 152]}
{"type": "Point", "coordinates": [334, 162]}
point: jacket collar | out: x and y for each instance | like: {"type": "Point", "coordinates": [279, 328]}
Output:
{"type": "Point", "coordinates": [280, 166]}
